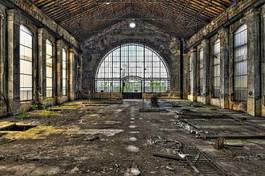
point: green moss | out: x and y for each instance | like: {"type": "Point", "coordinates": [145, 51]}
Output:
{"type": "Point", "coordinates": [23, 115]}
{"type": "Point", "coordinates": [46, 113]}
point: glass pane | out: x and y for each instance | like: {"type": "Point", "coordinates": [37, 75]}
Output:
{"type": "Point", "coordinates": [240, 64]}
{"type": "Point", "coordinates": [136, 63]}
{"type": "Point", "coordinates": [25, 55]}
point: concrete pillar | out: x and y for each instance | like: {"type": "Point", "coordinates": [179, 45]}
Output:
{"type": "Point", "coordinates": [13, 61]}
{"type": "Point", "coordinates": [262, 60]}
{"type": "Point", "coordinates": [254, 61]}
{"type": "Point", "coordinates": [40, 93]}
{"type": "Point", "coordinates": [206, 71]}
{"type": "Point", "coordinates": [58, 69]}
{"type": "Point", "coordinates": [224, 68]}
{"type": "Point", "coordinates": [3, 99]}
{"type": "Point", "coordinates": [71, 74]}
{"type": "Point", "coordinates": [193, 75]}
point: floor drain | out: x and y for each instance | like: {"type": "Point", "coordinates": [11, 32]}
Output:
{"type": "Point", "coordinates": [16, 127]}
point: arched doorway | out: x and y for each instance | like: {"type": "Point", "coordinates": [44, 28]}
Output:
{"type": "Point", "coordinates": [132, 69]}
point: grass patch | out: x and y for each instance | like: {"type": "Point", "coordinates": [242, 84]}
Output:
{"type": "Point", "coordinates": [39, 132]}
{"type": "Point", "coordinates": [23, 115]}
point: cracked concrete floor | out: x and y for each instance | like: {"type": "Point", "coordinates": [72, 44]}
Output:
{"type": "Point", "coordinates": [103, 140]}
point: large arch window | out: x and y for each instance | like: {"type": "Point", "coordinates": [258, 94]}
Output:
{"type": "Point", "coordinates": [25, 61]}
{"type": "Point", "coordinates": [132, 68]}
{"type": "Point", "coordinates": [240, 64]}
{"type": "Point", "coordinates": [49, 65]}
{"type": "Point", "coordinates": [64, 72]}
{"type": "Point", "coordinates": [216, 69]}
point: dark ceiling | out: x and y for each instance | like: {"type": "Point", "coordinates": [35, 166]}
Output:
{"type": "Point", "coordinates": [83, 18]}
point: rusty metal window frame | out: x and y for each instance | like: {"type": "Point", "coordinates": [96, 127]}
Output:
{"type": "Point", "coordinates": [240, 64]}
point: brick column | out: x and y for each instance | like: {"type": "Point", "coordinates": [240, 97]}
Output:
{"type": "Point", "coordinates": [193, 75]}
{"type": "Point", "coordinates": [224, 68]}
{"type": "Point", "coordinates": [13, 61]}
{"type": "Point", "coordinates": [254, 61]}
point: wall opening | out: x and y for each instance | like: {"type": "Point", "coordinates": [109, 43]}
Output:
{"type": "Point", "coordinates": [132, 68]}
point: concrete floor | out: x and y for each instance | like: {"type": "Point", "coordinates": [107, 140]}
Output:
{"type": "Point", "coordinates": [81, 138]}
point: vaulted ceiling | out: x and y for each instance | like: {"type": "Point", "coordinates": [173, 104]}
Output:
{"type": "Point", "coordinates": [87, 17]}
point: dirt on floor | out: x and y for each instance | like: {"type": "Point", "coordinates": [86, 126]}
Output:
{"type": "Point", "coordinates": [127, 139]}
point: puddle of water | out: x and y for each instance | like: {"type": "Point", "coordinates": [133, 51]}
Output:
{"type": "Point", "coordinates": [132, 172]}
{"type": "Point", "coordinates": [118, 110]}
{"type": "Point", "coordinates": [93, 115]}
{"type": "Point", "coordinates": [132, 139]}
{"type": "Point", "coordinates": [106, 132]}
{"type": "Point", "coordinates": [132, 126]}
{"type": "Point", "coordinates": [112, 122]}
{"type": "Point", "coordinates": [132, 148]}
{"type": "Point", "coordinates": [15, 127]}
{"type": "Point", "coordinates": [134, 132]}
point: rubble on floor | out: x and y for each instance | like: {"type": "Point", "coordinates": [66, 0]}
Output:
{"type": "Point", "coordinates": [97, 139]}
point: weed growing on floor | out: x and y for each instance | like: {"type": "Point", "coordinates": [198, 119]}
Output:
{"type": "Point", "coordinates": [34, 107]}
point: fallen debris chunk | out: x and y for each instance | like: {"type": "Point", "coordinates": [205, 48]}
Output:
{"type": "Point", "coordinates": [219, 143]}
{"type": "Point", "coordinates": [232, 136]}
{"type": "Point", "coordinates": [93, 138]}
{"type": "Point", "coordinates": [167, 156]}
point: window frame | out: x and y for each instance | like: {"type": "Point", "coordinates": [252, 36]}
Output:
{"type": "Point", "coordinates": [240, 92]}
{"type": "Point", "coordinates": [216, 72]}
{"type": "Point", "coordinates": [201, 71]}
{"type": "Point", "coordinates": [49, 56]}
{"type": "Point", "coordinates": [64, 72]}
{"type": "Point", "coordinates": [136, 62]}
{"type": "Point", "coordinates": [23, 32]}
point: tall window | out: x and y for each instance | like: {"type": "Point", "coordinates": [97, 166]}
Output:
{"type": "Point", "coordinates": [49, 76]}
{"type": "Point", "coordinates": [216, 69]}
{"type": "Point", "coordinates": [132, 68]}
{"type": "Point", "coordinates": [64, 71]}
{"type": "Point", "coordinates": [240, 64]}
{"type": "Point", "coordinates": [201, 69]}
{"type": "Point", "coordinates": [25, 61]}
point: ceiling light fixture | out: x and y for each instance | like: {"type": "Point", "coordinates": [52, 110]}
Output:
{"type": "Point", "coordinates": [132, 25]}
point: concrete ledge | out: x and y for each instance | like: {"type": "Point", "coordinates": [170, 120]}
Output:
{"type": "Point", "coordinates": [62, 99]}
{"type": "Point", "coordinates": [215, 102]}
{"type": "Point", "coordinates": [202, 99]}
{"type": "Point", "coordinates": [238, 106]}
{"type": "Point", "coordinates": [25, 106]}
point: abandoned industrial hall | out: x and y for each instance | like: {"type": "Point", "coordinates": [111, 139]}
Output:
{"type": "Point", "coordinates": [132, 87]}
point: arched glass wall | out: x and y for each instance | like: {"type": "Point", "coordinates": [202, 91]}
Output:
{"type": "Point", "coordinates": [132, 68]}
